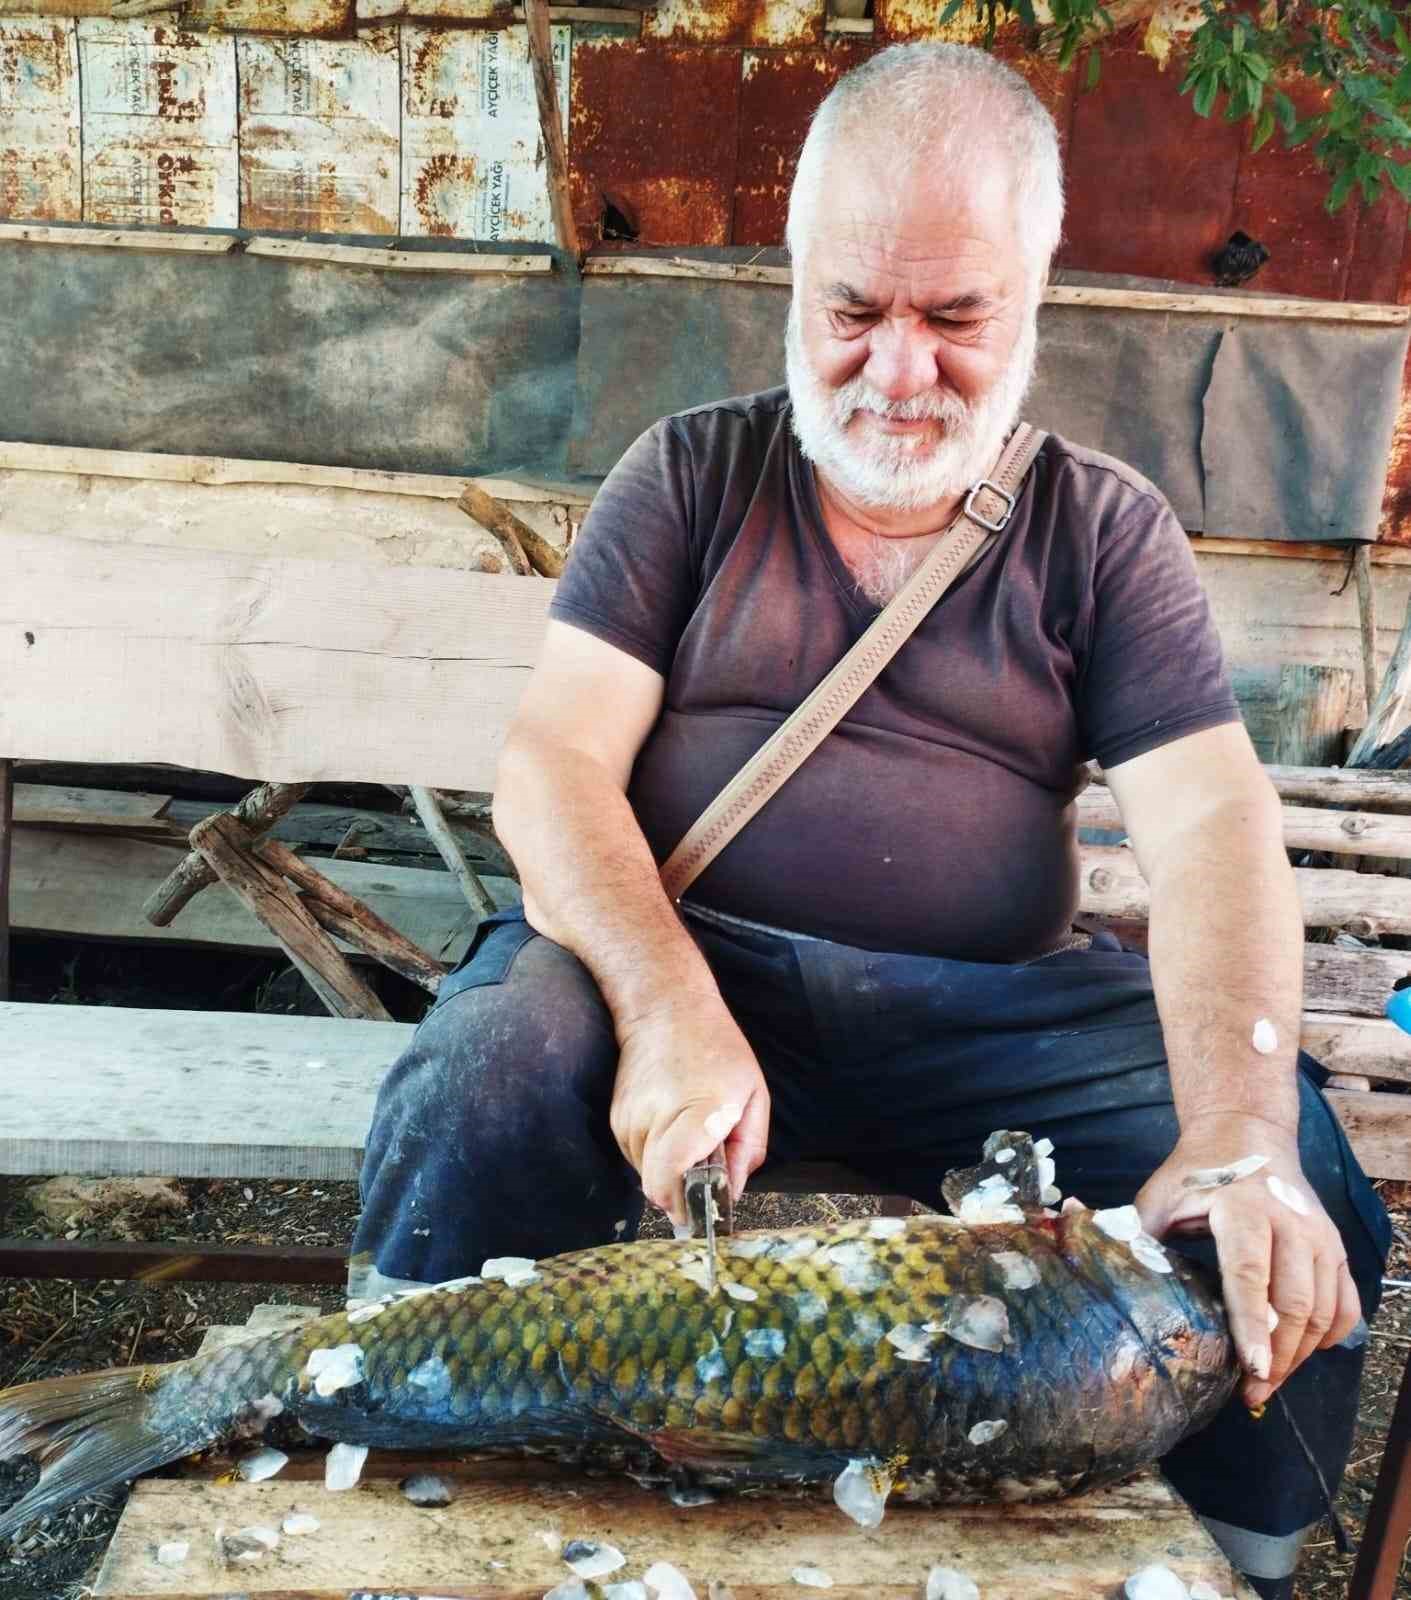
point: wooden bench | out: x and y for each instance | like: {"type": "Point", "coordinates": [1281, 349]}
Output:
{"type": "Point", "coordinates": [295, 670]}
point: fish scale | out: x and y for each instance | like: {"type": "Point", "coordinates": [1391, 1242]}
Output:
{"type": "Point", "coordinates": [620, 1353]}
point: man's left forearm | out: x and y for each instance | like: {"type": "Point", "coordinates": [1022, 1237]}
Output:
{"type": "Point", "coordinates": [1226, 933]}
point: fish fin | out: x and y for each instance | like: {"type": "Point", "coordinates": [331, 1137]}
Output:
{"type": "Point", "coordinates": [89, 1431]}
{"type": "Point", "coordinates": [704, 1449]}
{"type": "Point", "coordinates": [1020, 1170]}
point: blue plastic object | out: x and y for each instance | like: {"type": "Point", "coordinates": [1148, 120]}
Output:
{"type": "Point", "coordinates": [1398, 1008]}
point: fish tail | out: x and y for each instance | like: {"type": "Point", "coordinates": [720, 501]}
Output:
{"type": "Point", "coordinates": [92, 1430]}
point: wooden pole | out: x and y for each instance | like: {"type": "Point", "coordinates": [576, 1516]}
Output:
{"type": "Point", "coordinates": [257, 813]}
{"type": "Point", "coordinates": [1389, 1517]}
{"type": "Point", "coordinates": [1367, 619]}
{"type": "Point", "coordinates": [541, 55]}
{"type": "Point", "coordinates": [428, 808]}
{"type": "Point", "coordinates": [1386, 716]}
{"type": "Point", "coordinates": [514, 534]}
{"type": "Point", "coordinates": [226, 846]}
{"type": "Point", "coordinates": [7, 820]}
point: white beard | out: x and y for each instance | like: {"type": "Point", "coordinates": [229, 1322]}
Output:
{"type": "Point", "coordinates": [895, 472]}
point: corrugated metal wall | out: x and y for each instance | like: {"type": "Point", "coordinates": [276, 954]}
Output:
{"type": "Point", "coordinates": [418, 124]}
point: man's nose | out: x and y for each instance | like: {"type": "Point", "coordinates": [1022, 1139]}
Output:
{"type": "Point", "coordinates": [901, 360]}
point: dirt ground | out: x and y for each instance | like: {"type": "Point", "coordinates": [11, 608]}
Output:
{"type": "Point", "coordinates": [52, 1327]}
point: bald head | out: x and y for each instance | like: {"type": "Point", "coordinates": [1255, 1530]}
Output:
{"type": "Point", "coordinates": [932, 125]}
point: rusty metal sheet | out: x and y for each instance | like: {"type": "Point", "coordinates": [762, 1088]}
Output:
{"type": "Point", "coordinates": [1279, 198]}
{"type": "Point", "coordinates": [54, 8]}
{"type": "Point", "coordinates": [896, 21]}
{"type": "Point", "coordinates": [320, 133]}
{"type": "Point", "coordinates": [654, 129]}
{"type": "Point", "coordinates": [316, 17]}
{"type": "Point", "coordinates": [736, 22]}
{"type": "Point", "coordinates": [1150, 184]}
{"type": "Point", "coordinates": [41, 171]}
{"type": "Point", "coordinates": [779, 92]}
{"type": "Point", "coordinates": [434, 10]}
{"type": "Point", "coordinates": [158, 125]}
{"type": "Point", "coordinates": [1378, 249]}
{"type": "Point", "coordinates": [472, 165]}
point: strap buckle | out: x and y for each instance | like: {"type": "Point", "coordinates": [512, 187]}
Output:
{"type": "Point", "coordinates": [978, 516]}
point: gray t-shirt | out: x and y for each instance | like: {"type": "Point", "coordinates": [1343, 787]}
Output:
{"type": "Point", "coordinates": [937, 818]}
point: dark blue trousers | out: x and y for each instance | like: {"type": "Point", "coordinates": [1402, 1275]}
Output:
{"type": "Point", "coordinates": [491, 1136]}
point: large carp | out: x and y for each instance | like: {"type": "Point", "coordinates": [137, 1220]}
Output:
{"type": "Point", "coordinates": [1021, 1358]}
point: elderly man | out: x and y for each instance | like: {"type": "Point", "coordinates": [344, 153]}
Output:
{"type": "Point", "coordinates": [881, 967]}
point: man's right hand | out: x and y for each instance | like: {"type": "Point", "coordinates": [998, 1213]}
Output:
{"type": "Point", "coordinates": [686, 1082]}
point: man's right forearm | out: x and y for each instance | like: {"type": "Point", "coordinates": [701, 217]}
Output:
{"type": "Point", "coordinates": [590, 881]}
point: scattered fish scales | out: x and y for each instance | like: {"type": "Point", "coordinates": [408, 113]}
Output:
{"type": "Point", "coordinates": [513, 1271]}
{"type": "Point", "coordinates": [427, 1489]}
{"type": "Point", "coordinates": [811, 1577]}
{"type": "Point", "coordinates": [300, 1522]}
{"type": "Point", "coordinates": [1220, 1177]}
{"type": "Point", "coordinates": [668, 1582]}
{"type": "Point", "coordinates": [988, 1431]}
{"type": "Point", "coordinates": [633, 1589]}
{"type": "Point", "coordinates": [1121, 1223]}
{"type": "Point", "coordinates": [173, 1553]}
{"type": "Point", "coordinates": [981, 1322]}
{"type": "Point", "coordinates": [589, 1559]}
{"type": "Point", "coordinates": [765, 1344]}
{"type": "Point", "coordinates": [934, 1272]}
{"type": "Point", "coordinates": [1018, 1269]}
{"type": "Point", "coordinates": [738, 1291]}
{"type": "Point", "coordinates": [343, 1466]}
{"type": "Point", "coordinates": [1150, 1253]}
{"type": "Point", "coordinates": [260, 1534]}
{"type": "Point", "coordinates": [886, 1227]}
{"type": "Point", "coordinates": [1156, 1582]}
{"type": "Point", "coordinates": [334, 1369]}
{"type": "Point", "coordinates": [569, 1589]}
{"type": "Point", "coordinates": [913, 1341]}
{"type": "Point", "coordinates": [1288, 1195]}
{"type": "Point", "coordinates": [688, 1498]}
{"type": "Point", "coordinates": [860, 1491]}
{"type": "Point", "coordinates": [1201, 1590]}
{"type": "Point", "coordinates": [950, 1583]}
{"type": "Point", "coordinates": [262, 1464]}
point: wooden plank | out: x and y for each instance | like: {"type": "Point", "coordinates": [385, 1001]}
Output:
{"type": "Point", "coordinates": [278, 1096]}
{"type": "Point", "coordinates": [1312, 712]}
{"type": "Point", "coordinates": [198, 244]}
{"type": "Point", "coordinates": [1378, 1127]}
{"type": "Point", "coordinates": [349, 255]}
{"type": "Point", "coordinates": [1388, 790]}
{"type": "Point", "coordinates": [1378, 555]}
{"type": "Point", "coordinates": [217, 470]}
{"type": "Point", "coordinates": [93, 886]}
{"type": "Point", "coordinates": [551, 126]}
{"type": "Point", "coordinates": [1305, 827]}
{"type": "Point", "coordinates": [62, 806]}
{"type": "Point", "coordinates": [1111, 885]}
{"type": "Point", "coordinates": [372, 1539]}
{"type": "Point", "coordinates": [292, 1097]}
{"type": "Point", "coordinates": [263, 667]}
{"type": "Point", "coordinates": [1057, 294]}
{"type": "Point", "coordinates": [1352, 982]}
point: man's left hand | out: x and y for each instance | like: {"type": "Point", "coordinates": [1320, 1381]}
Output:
{"type": "Point", "coordinates": [1283, 1253]}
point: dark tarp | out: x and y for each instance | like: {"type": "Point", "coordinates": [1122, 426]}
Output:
{"type": "Point", "coordinates": [1254, 427]}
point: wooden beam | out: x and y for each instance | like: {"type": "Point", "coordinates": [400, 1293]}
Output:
{"type": "Point", "coordinates": [1378, 1127]}
{"type": "Point", "coordinates": [181, 244]}
{"type": "Point", "coordinates": [350, 255]}
{"type": "Point", "coordinates": [1057, 294]}
{"type": "Point", "coordinates": [173, 1263]}
{"type": "Point", "coordinates": [267, 667]}
{"type": "Point", "coordinates": [1386, 790]}
{"type": "Point", "coordinates": [438, 830]}
{"type": "Point", "coordinates": [498, 519]}
{"type": "Point", "coordinates": [541, 60]}
{"type": "Point", "coordinates": [1382, 1552]}
{"type": "Point", "coordinates": [1350, 833]}
{"type": "Point", "coordinates": [1312, 712]}
{"type": "Point", "coordinates": [1111, 885]}
{"type": "Point", "coordinates": [1379, 555]}
{"type": "Point", "coordinates": [1388, 714]}
{"type": "Point", "coordinates": [146, 464]}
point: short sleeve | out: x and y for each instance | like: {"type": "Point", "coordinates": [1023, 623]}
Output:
{"type": "Point", "coordinates": [1153, 670]}
{"type": "Point", "coordinates": [630, 579]}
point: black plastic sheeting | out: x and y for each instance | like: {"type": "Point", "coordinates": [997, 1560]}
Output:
{"type": "Point", "coordinates": [1254, 427]}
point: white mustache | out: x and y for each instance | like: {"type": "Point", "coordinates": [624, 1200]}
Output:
{"type": "Point", "coordinates": [858, 395]}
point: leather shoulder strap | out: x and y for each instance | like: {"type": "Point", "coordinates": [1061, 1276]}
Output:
{"type": "Point", "coordinates": [987, 510]}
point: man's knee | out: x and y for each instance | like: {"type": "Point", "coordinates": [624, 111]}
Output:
{"type": "Point", "coordinates": [499, 1061]}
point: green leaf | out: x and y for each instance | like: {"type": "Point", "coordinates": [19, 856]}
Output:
{"type": "Point", "coordinates": [1094, 69]}
{"type": "Point", "coordinates": [951, 11]}
{"type": "Point", "coordinates": [1263, 129]}
{"type": "Point", "coordinates": [1025, 8]}
{"type": "Point", "coordinates": [1205, 94]}
{"type": "Point", "coordinates": [1400, 175]}
{"type": "Point", "coordinates": [1257, 66]}
{"type": "Point", "coordinates": [1285, 110]}
{"type": "Point", "coordinates": [1399, 36]}
{"type": "Point", "coordinates": [1341, 189]}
